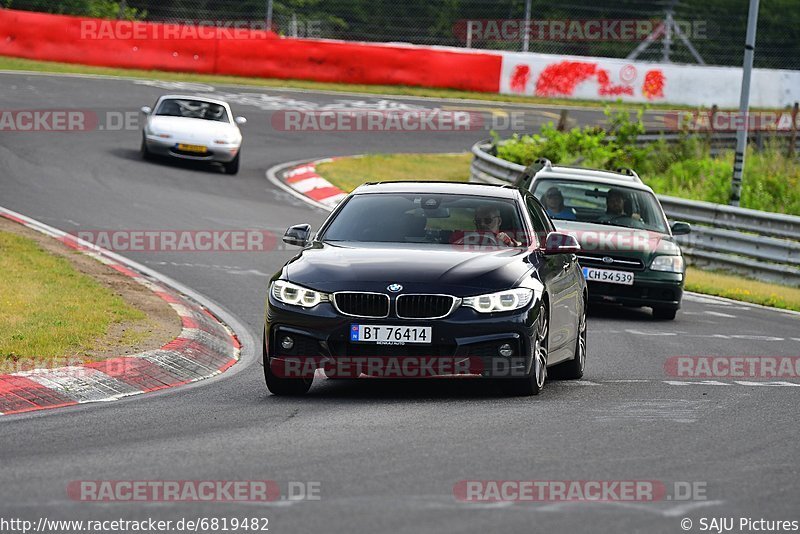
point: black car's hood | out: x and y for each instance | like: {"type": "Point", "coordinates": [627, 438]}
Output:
{"type": "Point", "coordinates": [425, 268]}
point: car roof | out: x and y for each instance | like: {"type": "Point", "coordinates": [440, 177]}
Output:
{"type": "Point", "coordinates": [591, 175]}
{"type": "Point", "coordinates": [195, 97]}
{"type": "Point", "coordinates": [456, 188]}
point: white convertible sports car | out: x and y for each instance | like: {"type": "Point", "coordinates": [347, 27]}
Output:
{"type": "Point", "coordinates": [193, 128]}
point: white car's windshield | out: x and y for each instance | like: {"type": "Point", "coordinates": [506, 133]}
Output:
{"type": "Point", "coordinates": [599, 203]}
{"type": "Point", "coordinates": [193, 109]}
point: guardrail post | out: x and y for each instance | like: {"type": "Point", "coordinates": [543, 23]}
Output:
{"type": "Point", "coordinates": [562, 121]}
{"type": "Point", "coordinates": [793, 138]}
{"type": "Point", "coordinates": [710, 130]}
{"type": "Point", "coordinates": [759, 140]}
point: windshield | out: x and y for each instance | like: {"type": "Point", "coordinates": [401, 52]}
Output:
{"type": "Point", "coordinates": [432, 219]}
{"type": "Point", "coordinates": [585, 201]}
{"type": "Point", "coordinates": [193, 109]}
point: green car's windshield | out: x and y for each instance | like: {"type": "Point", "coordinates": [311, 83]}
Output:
{"type": "Point", "coordinates": [598, 203]}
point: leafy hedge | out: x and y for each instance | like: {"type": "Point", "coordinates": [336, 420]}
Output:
{"type": "Point", "coordinates": [102, 9]}
{"type": "Point", "coordinates": [684, 169]}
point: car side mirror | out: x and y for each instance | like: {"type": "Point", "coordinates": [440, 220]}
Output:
{"type": "Point", "coordinates": [147, 110]}
{"type": "Point", "coordinates": [559, 243]}
{"type": "Point", "coordinates": [680, 228]}
{"type": "Point", "coordinates": [297, 235]}
{"type": "Point", "coordinates": [241, 121]}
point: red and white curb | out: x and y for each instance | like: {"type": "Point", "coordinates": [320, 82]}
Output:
{"type": "Point", "coordinates": [302, 181]}
{"type": "Point", "coordinates": [205, 347]}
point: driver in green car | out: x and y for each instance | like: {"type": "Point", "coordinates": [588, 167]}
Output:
{"type": "Point", "coordinates": [615, 207]}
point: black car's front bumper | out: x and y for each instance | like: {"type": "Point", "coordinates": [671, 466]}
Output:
{"type": "Point", "coordinates": [465, 341]}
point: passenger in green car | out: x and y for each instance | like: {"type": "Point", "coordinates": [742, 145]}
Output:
{"type": "Point", "coordinates": [554, 202]}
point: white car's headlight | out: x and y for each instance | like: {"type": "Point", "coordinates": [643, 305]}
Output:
{"type": "Point", "coordinates": [290, 293]}
{"type": "Point", "coordinates": [672, 264]}
{"type": "Point", "coordinates": [512, 299]}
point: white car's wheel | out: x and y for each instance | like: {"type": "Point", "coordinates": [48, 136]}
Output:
{"type": "Point", "coordinates": [233, 166]}
{"type": "Point", "coordinates": [143, 151]}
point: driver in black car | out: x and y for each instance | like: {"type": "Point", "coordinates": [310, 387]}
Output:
{"type": "Point", "coordinates": [615, 206]}
{"type": "Point", "coordinates": [487, 219]}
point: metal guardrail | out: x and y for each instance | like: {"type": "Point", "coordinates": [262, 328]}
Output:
{"type": "Point", "coordinates": [762, 245]}
{"type": "Point", "coordinates": [721, 141]}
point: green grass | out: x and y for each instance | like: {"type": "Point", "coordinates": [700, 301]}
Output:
{"type": "Point", "coordinates": [47, 308]}
{"type": "Point", "coordinates": [744, 289]}
{"type": "Point", "coordinates": [349, 173]}
{"type": "Point", "coordinates": [771, 181]}
{"type": "Point", "coordinates": [10, 63]}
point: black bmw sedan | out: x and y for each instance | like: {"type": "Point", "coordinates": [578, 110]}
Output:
{"type": "Point", "coordinates": [424, 279]}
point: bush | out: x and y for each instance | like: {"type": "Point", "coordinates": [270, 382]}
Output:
{"type": "Point", "coordinates": [684, 168]}
{"type": "Point", "coordinates": [103, 9]}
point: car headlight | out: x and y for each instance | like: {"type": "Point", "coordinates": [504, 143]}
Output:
{"type": "Point", "coordinates": [672, 264]}
{"type": "Point", "coordinates": [668, 248]}
{"type": "Point", "coordinates": [290, 293]}
{"type": "Point", "coordinates": [512, 299]}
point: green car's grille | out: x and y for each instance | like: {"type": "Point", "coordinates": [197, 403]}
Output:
{"type": "Point", "coordinates": [607, 261]}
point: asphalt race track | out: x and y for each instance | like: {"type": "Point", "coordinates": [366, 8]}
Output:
{"type": "Point", "coordinates": [387, 455]}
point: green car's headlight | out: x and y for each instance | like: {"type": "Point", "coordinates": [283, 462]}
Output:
{"type": "Point", "coordinates": [290, 293]}
{"type": "Point", "coordinates": [671, 264]}
{"type": "Point", "coordinates": [502, 301]}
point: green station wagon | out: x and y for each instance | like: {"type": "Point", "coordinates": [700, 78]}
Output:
{"type": "Point", "coordinates": [628, 255]}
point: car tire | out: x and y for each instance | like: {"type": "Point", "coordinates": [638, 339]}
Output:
{"type": "Point", "coordinates": [233, 166]}
{"type": "Point", "coordinates": [144, 152]}
{"type": "Point", "coordinates": [284, 387]}
{"type": "Point", "coordinates": [573, 369]}
{"type": "Point", "coordinates": [534, 382]}
{"type": "Point", "coordinates": [664, 314]}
